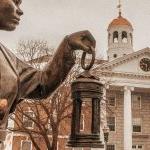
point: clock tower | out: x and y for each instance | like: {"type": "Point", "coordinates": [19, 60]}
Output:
{"type": "Point", "coordinates": [120, 37]}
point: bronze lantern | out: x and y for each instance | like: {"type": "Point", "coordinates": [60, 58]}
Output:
{"type": "Point", "coordinates": [86, 86]}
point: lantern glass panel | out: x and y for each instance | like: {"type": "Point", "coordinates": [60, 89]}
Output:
{"type": "Point", "coordinates": [86, 117]}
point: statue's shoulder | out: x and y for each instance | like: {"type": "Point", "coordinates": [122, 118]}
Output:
{"type": "Point", "coordinates": [9, 56]}
{"type": "Point", "coordinates": [7, 53]}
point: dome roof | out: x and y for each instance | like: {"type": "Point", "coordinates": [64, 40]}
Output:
{"type": "Point", "coordinates": [119, 22]}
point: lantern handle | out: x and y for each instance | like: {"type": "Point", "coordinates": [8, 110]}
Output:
{"type": "Point", "coordinates": [88, 67]}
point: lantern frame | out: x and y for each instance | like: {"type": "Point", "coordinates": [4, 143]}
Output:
{"type": "Point", "coordinates": [86, 86]}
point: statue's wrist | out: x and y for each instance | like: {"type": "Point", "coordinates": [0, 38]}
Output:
{"type": "Point", "coordinates": [69, 51]}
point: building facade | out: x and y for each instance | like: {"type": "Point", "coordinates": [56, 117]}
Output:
{"type": "Point", "coordinates": [128, 74]}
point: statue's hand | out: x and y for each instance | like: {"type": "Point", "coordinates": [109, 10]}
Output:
{"type": "Point", "coordinates": [82, 40]}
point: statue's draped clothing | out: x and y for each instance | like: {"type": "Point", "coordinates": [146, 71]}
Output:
{"type": "Point", "coordinates": [19, 80]}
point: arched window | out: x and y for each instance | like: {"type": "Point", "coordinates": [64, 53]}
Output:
{"type": "Point", "coordinates": [124, 37]}
{"type": "Point", "coordinates": [115, 37]}
{"type": "Point", "coordinates": [131, 38]}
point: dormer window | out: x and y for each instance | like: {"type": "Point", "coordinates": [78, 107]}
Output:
{"type": "Point", "coordinates": [124, 37]}
{"type": "Point", "coordinates": [115, 37]}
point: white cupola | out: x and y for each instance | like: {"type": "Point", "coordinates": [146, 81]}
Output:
{"type": "Point", "coordinates": [120, 38]}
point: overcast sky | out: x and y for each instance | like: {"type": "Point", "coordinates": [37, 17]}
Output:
{"type": "Point", "coordinates": [51, 20]}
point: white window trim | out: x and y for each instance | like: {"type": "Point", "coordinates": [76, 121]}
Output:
{"type": "Point", "coordinates": [32, 121]}
{"type": "Point", "coordinates": [137, 125]}
{"type": "Point", "coordinates": [140, 125]}
{"type": "Point", "coordinates": [26, 140]}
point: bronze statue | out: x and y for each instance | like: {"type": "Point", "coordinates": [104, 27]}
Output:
{"type": "Point", "coordinates": [19, 80]}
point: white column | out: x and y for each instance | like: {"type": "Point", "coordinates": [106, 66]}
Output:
{"type": "Point", "coordinates": [103, 108]}
{"type": "Point", "coordinates": [127, 118]}
{"type": "Point", "coordinates": [104, 113]}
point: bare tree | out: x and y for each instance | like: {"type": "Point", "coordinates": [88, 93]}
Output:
{"type": "Point", "coordinates": [34, 51]}
{"type": "Point", "coordinates": [47, 114]}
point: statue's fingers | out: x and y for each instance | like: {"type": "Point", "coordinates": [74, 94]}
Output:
{"type": "Point", "coordinates": [84, 47]}
{"type": "Point", "coordinates": [90, 37]}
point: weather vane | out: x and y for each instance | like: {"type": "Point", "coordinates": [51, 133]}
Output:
{"type": "Point", "coordinates": [119, 7]}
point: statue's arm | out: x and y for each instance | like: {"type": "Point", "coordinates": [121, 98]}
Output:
{"type": "Point", "coordinates": [39, 84]}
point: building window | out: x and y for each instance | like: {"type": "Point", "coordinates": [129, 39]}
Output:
{"type": "Point", "coordinates": [26, 145]}
{"type": "Point", "coordinates": [110, 147]}
{"type": "Point", "coordinates": [137, 147]}
{"type": "Point", "coordinates": [136, 102]}
{"type": "Point", "coordinates": [27, 122]}
{"type": "Point", "coordinates": [111, 100]}
{"type": "Point", "coordinates": [136, 124]}
{"type": "Point", "coordinates": [111, 123]}
{"type": "Point", "coordinates": [124, 37]}
{"type": "Point", "coordinates": [82, 123]}
{"type": "Point", "coordinates": [115, 37]}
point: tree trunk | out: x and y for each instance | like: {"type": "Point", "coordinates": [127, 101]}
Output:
{"type": "Point", "coordinates": [47, 142]}
{"type": "Point", "coordinates": [34, 143]}
{"type": "Point", "coordinates": [55, 139]}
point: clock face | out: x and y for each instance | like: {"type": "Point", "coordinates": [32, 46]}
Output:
{"type": "Point", "coordinates": [145, 64]}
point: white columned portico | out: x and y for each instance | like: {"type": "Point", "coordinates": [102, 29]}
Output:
{"type": "Point", "coordinates": [127, 118]}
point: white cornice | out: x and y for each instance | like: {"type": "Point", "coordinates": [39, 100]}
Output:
{"type": "Point", "coordinates": [124, 59]}
{"type": "Point", "coordinates": [123, 75]}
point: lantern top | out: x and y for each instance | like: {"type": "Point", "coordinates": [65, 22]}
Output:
{"type": "Point", "coordinates": [87, 75]}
